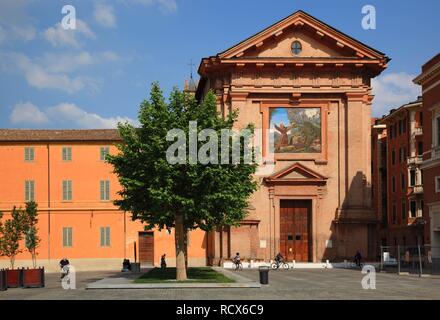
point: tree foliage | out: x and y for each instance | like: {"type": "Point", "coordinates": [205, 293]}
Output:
{"type": "Point", "coordinates": [12, 234]}
{"type": "Point", "coordinates": [181, 196]}
{"type": "Point", "coordinates": [30, 220]}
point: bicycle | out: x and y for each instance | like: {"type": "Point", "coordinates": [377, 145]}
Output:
{"type": "Point", "coordinates": [277, 264]}
{"type": "Point", "coordinates": [238, 266]}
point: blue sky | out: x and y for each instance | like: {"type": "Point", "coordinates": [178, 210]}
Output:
{"type": "Point", "coordinates": [98, 74]}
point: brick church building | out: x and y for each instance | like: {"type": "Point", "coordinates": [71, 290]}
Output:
{"type": "Point", "coordinates": [304, 81]}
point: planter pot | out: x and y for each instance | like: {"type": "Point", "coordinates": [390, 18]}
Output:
{"type": "Point", "coordinates": [33, 278]}
{"type": "Point", "coordinates": [3, 281]}
{"type": "Point", "coordinates": [14, 278]}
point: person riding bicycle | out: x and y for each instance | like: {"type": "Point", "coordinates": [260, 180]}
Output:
{"type": "Point", "coordinates": [279, 258]}
{"type": "Point", "coordinates": [236, 259]}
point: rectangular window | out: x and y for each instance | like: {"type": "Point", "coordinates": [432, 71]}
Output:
{"type": "Point", "coordinates": [437, 184]}
{"type": "Point", "coordinates": [393, 184]}
{"type": "Point", "coordinates": [403, 211]}
{"type": "Point", "coordinates": [105, 190]}
{"type": "Point", "coordinates": [67, 236]}
{"type": "Point", "coordinates": [413, 208]}
{"type": "Point", "coordinates": [421, 119]}
{"type": "Point", "coordinates": [402, 181]}
{"type": "Point", "coordinates": [393, 157]}
{"type": "Point", "coordinates": [394, 214]}
{"type": "Point", "coordinates": [420, 148]}
{"type": "Point", "coordinates": [67, 154]}
{"type": "Point", "coordinates": [29, 154]}
{"type": "Point", "coordinates": [67, 190]}
{"type": "Point", "coordinates": [105, 236]}
{"type": "Point", "coordinates": [404, 126]}
{"type": "Point", "coordinates": [438, 131]}
{"type": "Point", "coordinates": [29, 190]}
{"type": "Point", "coordinates": [412, 178]}
{"type": "Point", "coordinates": [103, 153]}
{"type": "Point", "coordinates": [400, 126]}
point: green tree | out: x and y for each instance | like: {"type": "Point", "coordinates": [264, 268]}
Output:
{"type": "Point", "coordinates": [30, 220]}
{"type": "Point", "coordinates": [181, 196]}
{"type": "Point", "coordinates": [12, 235]}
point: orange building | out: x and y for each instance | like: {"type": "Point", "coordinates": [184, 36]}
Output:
{"type": "Point", "coordinates": [65, 173]}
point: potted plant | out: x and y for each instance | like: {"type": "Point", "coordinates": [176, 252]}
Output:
{"type": "Point", "coordinates": [12, 233]}
{"type": "Point", "coordinates": [32, 278]}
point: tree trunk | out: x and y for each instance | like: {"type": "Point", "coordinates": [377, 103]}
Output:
{"type": "Point", "coordinates": [12, 260]}
{"type": "Point", "coordinates": [34, 258]}
{"type": "Point", "coordinates": [180, 241]}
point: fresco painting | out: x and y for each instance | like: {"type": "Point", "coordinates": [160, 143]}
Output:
{"type": "Point", "coordinates": [295, 130]}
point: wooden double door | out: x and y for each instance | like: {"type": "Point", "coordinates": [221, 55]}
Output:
{"type": "Point", "coordinates": [146, 248]}
{"type": "Point", "coordinates": [295, 234]}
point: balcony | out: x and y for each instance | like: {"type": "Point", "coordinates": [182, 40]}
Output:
{"type": "Point", "coordinates": [417, 189]}
{"type": "Point", "coordinates": [418, 131]}
{"type": "Point", "coordinates": [414, 160]}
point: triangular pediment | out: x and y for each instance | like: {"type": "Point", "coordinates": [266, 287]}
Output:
{"type": "Point", "coordinates": [318, 40]}
{"type": "Point", "coordinates": [296, 173]}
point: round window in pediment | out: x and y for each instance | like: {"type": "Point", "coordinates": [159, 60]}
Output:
{"type": "Point", "coordinates": [296, 48]}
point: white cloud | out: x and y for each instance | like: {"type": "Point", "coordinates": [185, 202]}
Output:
{"type": "Point", "coordinates": [70, 113]}
{"type": "Point", "coordinates": [28, 113]}
{"type": "Point", "coordinates": [104, 14]}
{"type": "Point", "coordinates": [41, 77]}
{"type": "Point", "coordinates": [393, 90]}
{"type": "Point", "coordinates": [60, 37]}
{"type": "Point", "coordinates": [63, 115]}
{"type": "Point", "coordinates": [15, 22]}
{"type": "Point", "coordinates": [166, 6]}
{"type": "Point", "coordinates": [67, 62]}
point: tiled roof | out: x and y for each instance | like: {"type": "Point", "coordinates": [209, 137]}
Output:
{"type": "Point", "coordinates": [23, 135]}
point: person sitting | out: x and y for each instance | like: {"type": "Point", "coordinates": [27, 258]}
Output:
{"type": "Point", "coordinates": [236, 259]}
{"type": "Point", "coordinates": [126, 265]}
{"type": "Point", "coordinates": [64, 265]}
{"type": "Point", "coordinates": [163, 263]}
{"type": "Point", "coordinates": [358, 258]}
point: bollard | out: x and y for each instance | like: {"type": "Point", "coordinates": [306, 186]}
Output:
{"type": "Point", "coordinates": [264, 274]}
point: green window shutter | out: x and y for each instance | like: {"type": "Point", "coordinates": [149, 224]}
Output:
{"type": "Point", "coordinates": [69, 190]}
{"type": "Point", "coordinates": [32, 190]}
{"type": "Point", "coordinates": [67, 153]}
{"type": "Point", "coordinates": [107, 190]}
{"type": "Point", "coordinates": [64, 237]}
{"type": "Point", "coordinates": [26, 191]}
{"type": "Point", "coordinates": [103, 153]}
{"type": "Point", "coordinates": [102, 189]}
{"type": "Point", "coordinates": [29, 190]}
{"type": "Point", "coordinates": [102, 237]}
{"type": "Point", "coordinates": [107, 237]}
{"type": "Point", "coordinates": [69, 237]}
{"type": "Point", "coordinates": [32, 154]}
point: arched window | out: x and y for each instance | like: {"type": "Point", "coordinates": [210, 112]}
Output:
{"type": "Point", "coordinates": [296, 48]}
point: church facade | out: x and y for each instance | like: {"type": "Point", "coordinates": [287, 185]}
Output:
{"type": "Point", "coordinates": [309, 84]}
{"type": "Point", "coordinates": [300, 79]}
